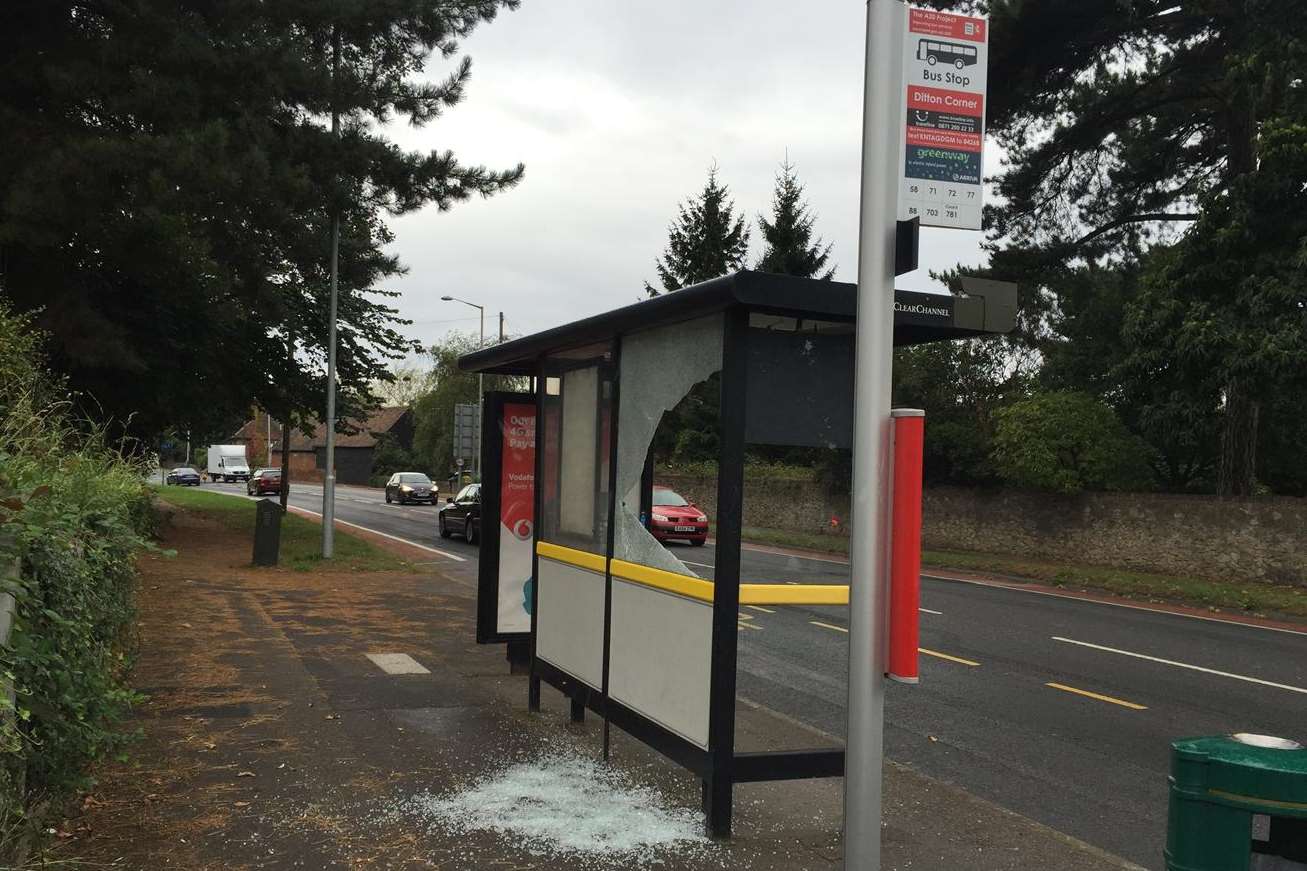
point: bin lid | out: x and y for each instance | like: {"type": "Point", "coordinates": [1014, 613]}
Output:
{"type": "Point", "coordinates": [1262, 772]}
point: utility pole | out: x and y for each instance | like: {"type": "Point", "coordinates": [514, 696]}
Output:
{"type": "Point", "coordinates": [329, 482]}
{"type": "Point", "coordinates": [501, 328]}
{"type": "Point", "coordinates": [269, 438]}
{"type": "Point", "coordinates": [869, 547]}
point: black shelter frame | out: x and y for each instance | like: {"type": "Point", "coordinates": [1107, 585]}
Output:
{"type": "Point", "coordinates": [987, 307]}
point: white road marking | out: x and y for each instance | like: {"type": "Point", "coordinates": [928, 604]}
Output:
{"type": "Point", "coordinates": [815, 559]}
{"type": "Point", "coordinates": [455, 557]}
{"type": "Point", "coordinates": [397, 663]}
{"type": "Point", "coordinates": [1242, 677]}
{"type": "Point", "coordinates": [700, 565]}
{"type": "Point", "coordinates": [928, 611]}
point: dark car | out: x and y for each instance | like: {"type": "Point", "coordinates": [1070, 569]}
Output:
{"type": "Point", "coordinates": [462, 514]}
{"type": "Point", "coordinates": [183, 476]}
{"type": "Point", "coordinates": [675, 517]}
{"type": "Point", "coordinates": [264, 482]}
{"type": "Point", "coordinates": [404, 487]}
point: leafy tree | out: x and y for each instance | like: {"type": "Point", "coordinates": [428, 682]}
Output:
{"type": "Point", "coordinates": [1126, 123]}
{"type": "Point", "coordinates": [961, 386]}
{"type": "Point", "coordinates": [433, 411]}
{"type": "Point", "coordinates": [405, 386]}
{"type": "Point", "coordinates": [1175, 410]}
{"type": "Point", "coordinates": [1065, 442]}
{"type": "Point", "coordinates": [169, 182]}
{"type": "Point", "coordinates": [706, 240]}
{"type": "Point", "coordinates": [790, 246]}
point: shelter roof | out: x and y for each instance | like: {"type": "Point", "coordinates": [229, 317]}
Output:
{"type": "Point", "coordinates": [987, 307]}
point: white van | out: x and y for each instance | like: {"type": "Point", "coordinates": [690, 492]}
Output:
{"type": "Point", "coordinates": [228, 463]}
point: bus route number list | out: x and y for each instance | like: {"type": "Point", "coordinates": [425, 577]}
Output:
{"type": "Point", "coordinates": [944, 124]}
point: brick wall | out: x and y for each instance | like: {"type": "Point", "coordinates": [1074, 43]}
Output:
{"type": "Point", "coordinates": [1202, 536]}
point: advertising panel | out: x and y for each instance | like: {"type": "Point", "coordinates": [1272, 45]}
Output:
{"type": "Point", "coordinates": [516, 516]}
{"type": "Point", "coordinates": [504, 573]}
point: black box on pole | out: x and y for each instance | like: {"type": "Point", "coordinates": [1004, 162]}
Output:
{"type": "Point", "coordinates": [907, 245]}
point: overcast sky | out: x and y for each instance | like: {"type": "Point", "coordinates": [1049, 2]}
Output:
{"type": "Point", "coordinates": [618, 109]}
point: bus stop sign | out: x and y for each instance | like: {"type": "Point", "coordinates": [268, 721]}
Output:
{"type": "Point", "coordinates": [945, 60]}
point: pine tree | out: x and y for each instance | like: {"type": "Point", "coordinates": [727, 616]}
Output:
{"type": "Point", "coordinates": [706, 240]}
{"type": "Point", "coordinates": [169, 179]}
{"type": "Point", "coordinates": [790, 247]}
{"type": "Point", "coordinates": [1126, 125]}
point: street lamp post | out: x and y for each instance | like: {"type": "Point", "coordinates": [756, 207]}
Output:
{"type": "Point", "coordinates": [481, 379]}
{"type": "Point", "coordinates": [329, 480]}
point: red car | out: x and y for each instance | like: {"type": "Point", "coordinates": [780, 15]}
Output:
{"type": "Point", "coordinates": [676, 517]}
{"type": "Point", "coordinates": [265, 482]}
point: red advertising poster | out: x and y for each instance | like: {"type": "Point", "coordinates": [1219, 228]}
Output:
{"type": "Point", "coordinates": [516, 516]}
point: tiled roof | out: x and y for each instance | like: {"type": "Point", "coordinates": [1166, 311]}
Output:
{"type": "Point", "coordinates": [381, 421]}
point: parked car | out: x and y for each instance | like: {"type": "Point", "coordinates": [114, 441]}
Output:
{"type": "Point", "coordinates": [675, 517]}
{"type": "Point", "coordinates": [462, 514]}
{"type": "Point", "coordinates": [411, 487]}
{"type": "Point", "coordinates": [264, 482]}
{"type": "Point", "coordinates": [184, 476]}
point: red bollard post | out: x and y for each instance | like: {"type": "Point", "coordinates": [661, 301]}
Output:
{"type": "Point", "coordinates": [905, 553]}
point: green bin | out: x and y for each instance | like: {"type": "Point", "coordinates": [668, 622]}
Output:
{"type": "Point", "coordinates": [1238, 803]}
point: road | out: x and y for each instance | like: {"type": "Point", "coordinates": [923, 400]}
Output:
{"type": "Point", "coordinates": [1057, 708]}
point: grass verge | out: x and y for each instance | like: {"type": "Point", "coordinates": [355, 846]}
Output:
{"type": "Point", "coordinates": [1247, 597]}
{"type": "Point", "coordinates": [301, 539]}
{"type": "Point", "coordinates": [807, 540]}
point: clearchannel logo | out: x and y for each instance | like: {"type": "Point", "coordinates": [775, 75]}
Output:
{"type": "Point", "coordinates": [916, 308]}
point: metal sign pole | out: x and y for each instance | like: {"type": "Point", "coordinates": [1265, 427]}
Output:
{"type": "Point", "coordinates": [869, 547]}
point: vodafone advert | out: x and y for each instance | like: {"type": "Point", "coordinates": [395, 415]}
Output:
{"type": "Point", "coordinates": [516, 516]}
{"type": "Point", "coordinates": [504, 573]}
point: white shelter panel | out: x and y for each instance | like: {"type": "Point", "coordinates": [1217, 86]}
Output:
{"type": "Point", "coordinates": [570, 622]}
{"type": "Point", "coordinates": [660, 663]}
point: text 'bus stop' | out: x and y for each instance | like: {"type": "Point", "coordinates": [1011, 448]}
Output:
{"type": "Point", "coordinates": [617, 621]}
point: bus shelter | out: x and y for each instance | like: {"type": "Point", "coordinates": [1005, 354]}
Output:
{"type": "Point", "coordinates": [618, 622]}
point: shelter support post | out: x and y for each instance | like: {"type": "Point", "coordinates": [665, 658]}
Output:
{"type": "Point", "coordinates": [718, 787]}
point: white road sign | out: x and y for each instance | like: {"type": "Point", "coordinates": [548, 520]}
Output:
{"type": "Point", "coordinates": [945, 60]}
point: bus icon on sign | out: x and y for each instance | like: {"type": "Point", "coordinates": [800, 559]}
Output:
{"type": "Point", "coordinates": [933, 52]}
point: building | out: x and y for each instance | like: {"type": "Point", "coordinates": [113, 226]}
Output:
{"type": "Point", "coordinates": [355, 452]}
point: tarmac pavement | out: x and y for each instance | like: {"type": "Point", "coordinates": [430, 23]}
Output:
{"type": "Point", "coordinates": [287, 727]}
{"type": "Point", "coordinates": [1057, 708]}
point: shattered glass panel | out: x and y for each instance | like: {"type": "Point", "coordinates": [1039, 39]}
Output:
{"type": "Point", "coordinates": [658, 369]}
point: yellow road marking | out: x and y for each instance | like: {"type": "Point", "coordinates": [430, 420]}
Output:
{"type": "Point", "coordinates": [761, 608]}
{"type": "Point", "coordinates": [827, 626]}
{"type": "Point", "coordinates": [796, 594]}
{"type": "Point", "coordinates": [1087, 694]}
{"type": "Point", "coordinates": [957, 659]}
